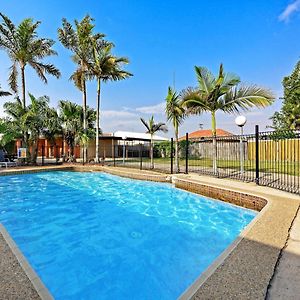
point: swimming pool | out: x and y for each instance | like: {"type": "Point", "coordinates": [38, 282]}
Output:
{"type": "Point", "coordinates": [99, 236]}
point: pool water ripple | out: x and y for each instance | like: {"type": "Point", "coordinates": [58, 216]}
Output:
{"type": "Point", "coordinates": [99, 236]}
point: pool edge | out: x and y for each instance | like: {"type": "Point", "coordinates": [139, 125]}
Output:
{"type": "Point", "coordinates": [33, 277]}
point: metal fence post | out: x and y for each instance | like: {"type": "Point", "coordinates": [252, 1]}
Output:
{"type": "Point", "coordinates": [256, 154]}
{"type": "Point", "coordinates": [171, 155]}
{"type": "Point", "coordinates": [141, 156]}
{"type": "Point", "coordinates": [186, 153]}
{"type": "Point", "coordinates": [83, 156]}
{"type": "Point", "coordinates": [57, 156]}
{"type": "Point", "coordinates": [114, 154]}
{"type": "Point", "coordinates": [43, 154]}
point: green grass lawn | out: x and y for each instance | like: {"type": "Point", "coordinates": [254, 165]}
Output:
{"type": "Point", "coordinates": [284, 167]}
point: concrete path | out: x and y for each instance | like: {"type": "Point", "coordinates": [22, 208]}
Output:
{"type": "Point", "coordinates": [286, 280]}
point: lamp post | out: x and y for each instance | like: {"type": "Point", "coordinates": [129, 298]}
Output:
{"type": "Point", "coordinates": [241, 121]}
{"type": "Point", "coordinates": [124, 139]}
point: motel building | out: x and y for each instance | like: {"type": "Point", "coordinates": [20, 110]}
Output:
{"type": "Point", "coordinates": [111, 145]}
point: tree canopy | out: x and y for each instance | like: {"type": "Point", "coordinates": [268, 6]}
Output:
{"type": "Point", "coordinates": [289, 115]}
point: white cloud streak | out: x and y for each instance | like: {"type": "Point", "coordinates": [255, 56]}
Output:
{"type": "Point", "coordinates": [117, 114]}
{"type": "Point", "coordinates": [289, 10]}
{"type": "Point", "coordinates": [153, 109]}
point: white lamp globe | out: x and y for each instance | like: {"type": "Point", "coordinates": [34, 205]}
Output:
{"type": "Point", "coordinates": [240, 121]}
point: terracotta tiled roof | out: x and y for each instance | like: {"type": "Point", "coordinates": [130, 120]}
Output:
{"type": "Point", "coordinates": [206, 133]}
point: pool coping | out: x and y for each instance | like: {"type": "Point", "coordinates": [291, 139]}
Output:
{"type": "Point", "coordinates": [34, 278]}
{"type": "Point", "coordinates": [205, 280]}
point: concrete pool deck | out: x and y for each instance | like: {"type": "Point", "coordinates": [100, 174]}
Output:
{"type": "Point", "coordinates": [264, 262]}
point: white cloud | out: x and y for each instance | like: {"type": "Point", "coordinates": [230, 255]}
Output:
{"type": "Point", "coordinates": [153, 109]}
{"type": "Point", "coordinates": [117, 114]}
{"type": "Point", "coordinates": [113, 120]}
{"type": "Point", "coordinates": [289, 10]}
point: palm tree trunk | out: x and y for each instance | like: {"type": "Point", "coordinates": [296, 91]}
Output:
{"type": "Point", "coordinates": [25, 133]}
{"type": "Point", "coordinates": [214, 140]}
{"type": "Point", "coordinates": [84, 117]}
{"type": "Point", "coordinates": [176, 150]}
{"type": "Point", "coordinates": [151, 153]}
{"type": "Point", "coordinates": [33, 155]}
{"type": "Point", "coordinates": [98, 120]}
{"type": "Point", "coordinates": [23, 86]}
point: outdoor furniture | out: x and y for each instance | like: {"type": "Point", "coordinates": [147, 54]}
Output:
{"type": "Point", "coordinates": [5, 162]}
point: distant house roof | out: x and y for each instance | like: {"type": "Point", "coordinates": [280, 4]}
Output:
{"type": "Point", "coordinates": [206, 133]}
{"type": "Point", "coordinates": [138, 135]}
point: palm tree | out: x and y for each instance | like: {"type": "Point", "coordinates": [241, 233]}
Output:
{"type": "Point", "coordinates": [80, 41]}
{"type": "Point", "coordinates": [34, 121]}
{"type": "Point", "coordinates": [83, 136]}
{"type": "Point", "coordinates": [15, 112]}
{"type": "Point", "coordinates": [24, 47]}
{"type": "Point", "coordinates": [152, 128]}
{"type": "Point", "coordinates": [30, 121]}
{"type": "Point", "coordinates": [8, 132]}
{"type": "Point", "coordinates": [176, 114]}
{"type": "Point", "coordinates": [105, 67]}
{"type": "Point", "coordinates": [71, 115]}
{"type": "Point", "coordinates": [52, 127]}
{"type": "Point", "coordinates": [222, 93]}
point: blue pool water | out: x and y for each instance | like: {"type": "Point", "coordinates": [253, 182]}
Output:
{"type": "Point", "coordinates": [99, 236]}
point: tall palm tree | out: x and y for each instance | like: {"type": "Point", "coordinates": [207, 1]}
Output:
{"type": "Point", "coordinates": [222, 93]}
{"type": "Point", "coordinates": [80, 41]}
{"type": "Point", "coordinates": [24, 47]}
{"type": "Point", "coordinates": [175, 112]}
{"type": "Point", "coordinates": [152, 128]}
{"type": "Point", "coordinates": [105, 67]}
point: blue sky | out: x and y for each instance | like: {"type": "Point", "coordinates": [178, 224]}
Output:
{"type": "Point", "coordinates": [258, 40]}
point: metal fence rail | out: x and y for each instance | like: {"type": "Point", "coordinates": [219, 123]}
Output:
{"type": "Point", "coordinates": [279, 160]}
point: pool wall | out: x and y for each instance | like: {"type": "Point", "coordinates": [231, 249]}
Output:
{"type": "Point", "coordinates": [246, 200]}
{"type": "Point", "coordinates": [245, 269]}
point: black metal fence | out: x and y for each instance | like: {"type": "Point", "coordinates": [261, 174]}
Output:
{"type": "Point", "coordinates": [51, 155]}
{"type": "Point", "coordinates": [267, 158]}
{"type": "Point", "coordinates": [136, 154]}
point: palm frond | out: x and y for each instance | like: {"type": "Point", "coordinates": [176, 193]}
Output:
{"type": "Point", "coordinates": [43, 69]}
{"type": "Point", "coordinates": [175, 110]}
{"type": "Point", "coordinates": [205, 79]}
{"type": "Point", "coordinates": [77, 77]}
{"type": "Point", "coordinates": [194, 101]}
{"type": "Point", "coordinates": [13, 77]}
{"type": "Point", "coordinates": [4, 93]}
{"type": "Point", "coordinates": [146, 125]}
{"type": "Point", "coordinates": [160, 127]}
{"type": "Point", "coordinates": [246, 97]}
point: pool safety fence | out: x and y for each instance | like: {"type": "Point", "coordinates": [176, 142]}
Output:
{"type": "Point", "coordinates": [269, 158]}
